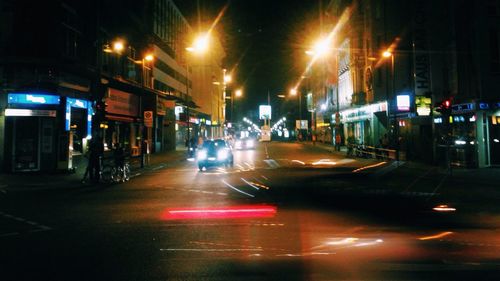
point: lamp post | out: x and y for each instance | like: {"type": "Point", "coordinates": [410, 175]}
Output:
{"type": "Point", "coordinates": [390, 54]}
{"type": "Point", "coordinates": [144, 145]}
{"type": "Point", "coordinates": [238, 93]}
{"type": "Point", "coordinates": [200, 45]}
{"type": "Point", "coordinates": [227, 79]}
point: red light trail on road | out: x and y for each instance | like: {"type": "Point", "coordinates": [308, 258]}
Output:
{"type": "Point", "coordinates": [228, 212]}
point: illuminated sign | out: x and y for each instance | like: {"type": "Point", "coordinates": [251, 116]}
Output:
{"type": "Point", "coordinates": [464, 107]}
{"type": "Point", "coordinates": [179, 109]}
{"type": "Point", "coordinates": [208, 122]}
{"type": "Point", "coordinates": [32, 99]}
{"type": "Point", "coordinates": [438, 120]}
{"type": "Point", "coordinates": [403, 102]}
{"type": "Point", "coordinates": [361, 113]}
{"type": "Point", "coordinates": [265, 112]}
{"type": "Point", "coordinates": [301, 124]}
{"type": "Point", "coordinates": [82, 104]}
{"type": "Point", "coordinates": [423, 106]}
{"type": "Point", "coordinates": [29, 112]}
{"type": "Point", "coordinates": [346, 89]}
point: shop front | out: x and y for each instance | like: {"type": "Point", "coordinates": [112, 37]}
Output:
{"type": "Point", "coordinates": [365, 123]}
{"type": "Point", "coordinates": [30, 129]}
{"type": "Point", "coordinates": [494, 136]}
{"type": "Point", "coordinates": [460, 137]}
{"type": "Point", "coordinates": [78, 127]}
{"type": "Point", "coordinates": [123, 122]}
{"type": "Point", "coordinates": [165, 138]}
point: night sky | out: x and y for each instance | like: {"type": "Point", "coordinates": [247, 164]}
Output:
{"type": "Point", "coordinates": [264, 40]}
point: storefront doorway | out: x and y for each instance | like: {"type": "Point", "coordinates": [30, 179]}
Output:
{"type": "Point", "coordinates": [494, 130]}
{"type": "Point", "coordinates": [26, 144]}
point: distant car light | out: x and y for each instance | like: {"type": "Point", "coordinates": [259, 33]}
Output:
{"type": "Point", "coordinates": [238, 143]}
{"type": "Point", "coordinates": [202, 155]}
{"type": "Point", "coordinates": [222, 154]}
{"type": "Point", "coordinates": [444, 208]}
{"type": "Point", "coordinates": [250, 143]}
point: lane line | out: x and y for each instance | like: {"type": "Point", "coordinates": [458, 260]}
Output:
{"type": "Point", "coordinates": [236, 189]}
{"type": "Point", "coordinates": [249, 183]}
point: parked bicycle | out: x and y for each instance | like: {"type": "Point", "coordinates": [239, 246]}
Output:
{"type": "Point", "coordinates": [110, 173]}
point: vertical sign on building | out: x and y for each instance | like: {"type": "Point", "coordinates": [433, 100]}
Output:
{"type": "Point", "coordinates": [421, 59]}
{"type": "Point", "coordinates": [148, 119]}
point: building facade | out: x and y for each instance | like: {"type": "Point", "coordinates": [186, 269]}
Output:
{"type": "Point", "coordinates": [393, 99]}
{"type": "Point", "coordinates": [76, 84]}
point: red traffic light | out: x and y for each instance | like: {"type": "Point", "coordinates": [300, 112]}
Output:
{"type": "Point", "coordinates": [447, 103]}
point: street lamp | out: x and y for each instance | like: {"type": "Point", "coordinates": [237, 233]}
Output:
{"type": "Point", "coordinates": [118, 46]}
{"type": "Point", "coordinates": [238, 93]}
{"type": "Point", "coordinates": [320, 48]}
{"type": "Point", "coordinates": [200, 46]}
{"type": "Point", "coordinates": [390, 54]}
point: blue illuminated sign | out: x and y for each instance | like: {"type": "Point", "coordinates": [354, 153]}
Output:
{"type": "Point", "coordinates": [33, 99]}
{"type": "Point", "coordinates": [78, 103]}
{"type": "Point", "coordinates": [484, 105]}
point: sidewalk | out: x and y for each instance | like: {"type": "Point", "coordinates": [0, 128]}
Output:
{"type": "Point", "coordinates": [340, 154]}
{"type": "Point", "coordinates": [42, 181]}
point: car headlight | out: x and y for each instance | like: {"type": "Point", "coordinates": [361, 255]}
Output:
{"type": "Point", "coordinates": [222, 154]}
{"type": "Point", "coordinates": [250, 143]}
{"type": "Point", "coordinates": [202, 155]}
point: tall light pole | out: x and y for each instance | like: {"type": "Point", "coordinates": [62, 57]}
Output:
{"type": "Point", "coordinates": [200, 45]}
{"type": "Point", "coordinates": [390, 54]}
{"type": "Point", "coordinates": [147, 58]}
{"type": "Point", "coordinates": [320, 50]}
{"type": "Point", "coordinates": [227, 79]}
{"type": "Point", "coordinates": [237, 94]}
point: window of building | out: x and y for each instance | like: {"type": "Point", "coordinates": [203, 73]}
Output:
{"type": "Point", "coordinates": [493, 8]}
{"type": "Point", "coordinates": [494, 50]}
{"type": "Point", "coordinates": [69, 32]}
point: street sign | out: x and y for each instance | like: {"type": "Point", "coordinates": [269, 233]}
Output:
{"type": "Point", "coordinates": [301, 124]}
{"type": "Point", "coordinates": [265, 112]}
{"type": "Point", "coordinates": [148, 119]}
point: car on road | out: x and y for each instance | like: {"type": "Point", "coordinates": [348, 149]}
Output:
{"type": "Point", "coordinates": [244, 143]}
{"type": "Point", "coordinates": [215, 153]}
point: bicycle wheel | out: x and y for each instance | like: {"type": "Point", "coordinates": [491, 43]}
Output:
{"type": "Point", "coordinates": [106, 173]}
{"type": "Point", "coordinates": [126, 172]}
{"type": "Point", "coordinates": [115, 174]}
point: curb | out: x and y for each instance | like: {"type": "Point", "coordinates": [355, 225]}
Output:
{"type": "Point", "coordinates": [75, 184]}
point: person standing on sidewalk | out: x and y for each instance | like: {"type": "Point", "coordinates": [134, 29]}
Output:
{"type": "Point", "coordinates": [96, 151]}
{"type": "Point", "coordinates": [338, 141]}
{"type": "Point", "coordinates": [351, 141]}
{"type": "Point", "coordinates": [119, 157]}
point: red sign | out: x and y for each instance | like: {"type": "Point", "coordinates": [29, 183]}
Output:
{"type": "Point", "coordinates": [123, 103]}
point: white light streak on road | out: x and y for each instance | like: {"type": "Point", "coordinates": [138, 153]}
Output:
{"type": "Point", "coordinates": [236, 189]}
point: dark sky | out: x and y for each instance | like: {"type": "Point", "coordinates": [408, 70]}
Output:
{"type": "Point", "coordinates": [264, 40]}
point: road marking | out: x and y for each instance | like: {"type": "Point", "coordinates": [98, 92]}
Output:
{"type": "Point", "coordinates": [158, 167]}
{"type": "Point", "coordinates": [39, 227]}
{"type": "Point", "coordinates": [418, 178]}
{"type": "Point", "coordinates": [272, 163]}
{"type": "Point", "coordinates": [250, 184]}
{"type": "Point", "coordinates": [252, 167]}
{"type": "Point", "coordinates": [236, 189]}
{"type": "Point", "coordinates": [9, 234]}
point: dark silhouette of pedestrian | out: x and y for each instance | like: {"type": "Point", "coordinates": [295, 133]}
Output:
{"type": "Point", "coordinates": [96, 150]}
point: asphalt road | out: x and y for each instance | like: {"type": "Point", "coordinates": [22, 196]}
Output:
{"type": "Point", "coordinates": [285, 211]}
